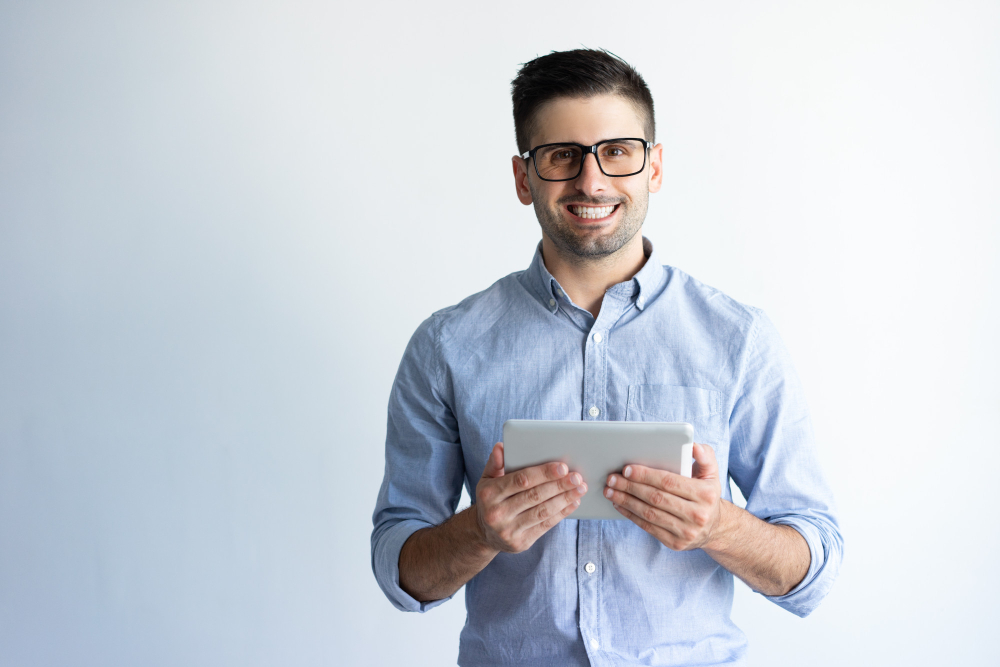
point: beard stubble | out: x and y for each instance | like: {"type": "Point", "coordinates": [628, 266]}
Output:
{"type": "Point", "coordinates": [584, 247]}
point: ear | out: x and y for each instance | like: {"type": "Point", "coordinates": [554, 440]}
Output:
{"type": "Point", "coordinates": [521, 179]}
{"type": "Point", "coordinates": [656, 168]}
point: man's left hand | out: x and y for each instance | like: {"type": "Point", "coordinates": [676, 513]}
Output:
{"type": "Point", "coordinates": [681, 512]}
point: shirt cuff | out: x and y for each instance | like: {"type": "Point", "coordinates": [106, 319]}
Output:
{"type": "Point", "coordinates": [809, 592]}
{"type": "Point", "coordinates": [385, 563]}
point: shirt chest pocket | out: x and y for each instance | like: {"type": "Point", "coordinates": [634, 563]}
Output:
{"type": "Point", "coordinates": [702, 408]}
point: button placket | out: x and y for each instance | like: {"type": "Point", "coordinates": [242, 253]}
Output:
{"type": "Point", "coordinates": [588, 585]}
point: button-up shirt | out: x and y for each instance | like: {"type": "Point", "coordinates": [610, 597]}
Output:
{"type": "Point", "coordinates": [664, 347]}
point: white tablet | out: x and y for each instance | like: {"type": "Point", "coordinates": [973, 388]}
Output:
{"type": "Point", "coordinates": [597, 449]}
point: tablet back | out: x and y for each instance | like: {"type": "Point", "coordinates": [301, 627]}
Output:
{"type": "Point", "coordinates": [597, 449]}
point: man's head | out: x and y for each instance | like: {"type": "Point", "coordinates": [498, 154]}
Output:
{"type": "Point", "coordinates": [576, 74]}
{"type": "Point", "coordinates": [585, 97]}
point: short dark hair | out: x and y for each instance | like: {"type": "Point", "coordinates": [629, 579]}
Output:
{"type": "Point", "coordinates": [577, 73]}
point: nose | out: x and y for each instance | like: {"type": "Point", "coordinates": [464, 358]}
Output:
{"type": "Point", "coordinates": [591, 180]}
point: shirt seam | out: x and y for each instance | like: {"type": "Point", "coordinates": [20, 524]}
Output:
{"type": "Point", "coordinates": [751, 351]}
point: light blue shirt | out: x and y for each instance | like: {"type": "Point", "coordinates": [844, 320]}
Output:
{"type": "Point", "coordinates": [671, 349]}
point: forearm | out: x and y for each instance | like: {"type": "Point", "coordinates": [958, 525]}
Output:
{"type": "Point", "coordinates": [770, 558]}
{"type": "Point", "coordinates": [435, 562]}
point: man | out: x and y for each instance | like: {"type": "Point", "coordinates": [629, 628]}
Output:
{"type": "Point", "coordinates": [598, 329]}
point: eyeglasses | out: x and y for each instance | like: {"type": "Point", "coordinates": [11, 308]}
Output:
{"type": "Point", "coordinates": [564, 161]}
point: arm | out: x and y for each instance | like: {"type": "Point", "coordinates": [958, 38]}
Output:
{"type": "Point", "coordinates": [510, 513]}
{"type": "Point", "coordinates": [772, 458]}
{"type": "Point", "coordinates": [686, 514]}
{"type": "Point", "coordinates": [770, 558]}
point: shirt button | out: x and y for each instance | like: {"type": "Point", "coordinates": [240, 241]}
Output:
{"type": "Point", "coordinates": [559, 292]}
{"type": "Point", "coordinates": [598, 337]}
{"type": "Point", "coordinates": [594, 411]}
{"type": "Point", "coordinates": [590, 567]}
{"type": "Point", "coordinates": [552, 302]}
{"type": "Point", "coordinates": [594, 645]}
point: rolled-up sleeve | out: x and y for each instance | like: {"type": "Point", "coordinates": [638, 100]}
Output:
{"type": "Point", "coordinates": [424, 467]}
{"type": "Point", "coordinates": [774, 462]}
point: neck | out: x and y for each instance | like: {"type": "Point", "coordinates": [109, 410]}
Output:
{"type": "Point", "coordinates": [586, 279]}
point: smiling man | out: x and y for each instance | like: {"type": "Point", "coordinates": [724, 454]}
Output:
{"type": "Point", "coordinates": [598, 329]}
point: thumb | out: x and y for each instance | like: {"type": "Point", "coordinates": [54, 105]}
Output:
{"type": "Point", "coordinates": [494, 464]}
{"type": "Point", "coordinates": [705, 466]}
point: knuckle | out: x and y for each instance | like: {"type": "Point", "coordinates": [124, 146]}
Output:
{"type": "Point", "coordinates": [493, 515]}
{"type": "Point", "coordinates": [543, 512]}
{"type": "Point", "coordinates": [649, 514]}
{"type": "Point", "coordinates": [656, 498]}
{"type": "Point", "coordinates": [533, 495]}
{"type": "Point", "coordinates": [521, 479]}
{"type": "Point", "coordinates": [688, 534]}
{"type": "Point", "coordinates": [486, 492]}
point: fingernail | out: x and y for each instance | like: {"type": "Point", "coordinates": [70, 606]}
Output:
{"type": "Point", "coordinates": [608, 493]}
{"type": "Point", "coordinates": [628, 471]}
{"type": "Point", "coordinates": [612, 480]}
{"type": "Point", "coordinates": [576, 503]}
{"type": "Point", "coordinates": [575, 478]}
{"type": "Point", "coordinates": [563, 469]}
{"type": "Point", "coordinates": [582, 489]}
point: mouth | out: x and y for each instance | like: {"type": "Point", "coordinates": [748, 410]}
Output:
{"type": "Point", "coordinates": [592, 212]}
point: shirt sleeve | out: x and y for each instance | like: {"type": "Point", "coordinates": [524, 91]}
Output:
{"type": "Point", "coordinates": [773, 461]}
{"type": "Point", "coordinates": [424, 467]}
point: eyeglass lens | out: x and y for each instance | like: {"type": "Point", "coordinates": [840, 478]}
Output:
{"type": "Point", "coordinates": [617, 158]}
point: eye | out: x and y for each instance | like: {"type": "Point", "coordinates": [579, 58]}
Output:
{"type": "Point", "coordinates": [616, 151]}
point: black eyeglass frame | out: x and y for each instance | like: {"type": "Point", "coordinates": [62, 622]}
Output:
{"type": "Point", "coordinates": [587, 150]}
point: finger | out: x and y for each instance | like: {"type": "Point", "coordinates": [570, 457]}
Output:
{"type": "Point", "coordinates": [705, 465]}
{"type": "Point", "coordinates": [664, 536]}
{"type": "Point", "coordinates": [494, 463]}
{"type": "Point", "coordinates": [534, 532]}
{"type": "Point", "coordinates": [652, 515]}
{"type": "Point", "coordinates": [525, 478]}
{"type": "Point", "coordinates": [550, 512]}
{"type": "Point", "coordinates": [539, 494]}
{"type": "Point", "coordinates": [651, 495]}
{"type": "Point", "coordinates": [664, 480]}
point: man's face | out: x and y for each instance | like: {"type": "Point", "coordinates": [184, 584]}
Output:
{"type": "Point", "coordinates": [575, 214]}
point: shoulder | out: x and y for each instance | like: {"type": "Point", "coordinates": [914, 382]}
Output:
{"type": "Point", "coordinates": [708, 306]}
{"type": "Point", "coordinates": [474, 315]}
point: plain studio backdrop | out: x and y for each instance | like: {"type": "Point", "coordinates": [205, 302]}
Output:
{"type": "Point", "coordinates": [221, 222]}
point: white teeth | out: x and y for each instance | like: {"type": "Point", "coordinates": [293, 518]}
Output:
{"type": "Point", "coordinates": [592, 212]}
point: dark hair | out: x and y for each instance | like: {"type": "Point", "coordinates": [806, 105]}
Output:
{"type": "Point", "coordinates": [577, 73]}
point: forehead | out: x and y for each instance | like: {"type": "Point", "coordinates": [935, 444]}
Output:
{"type": "Point", "coordinates": [586, 120]}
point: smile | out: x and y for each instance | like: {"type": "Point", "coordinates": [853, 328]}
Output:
{"type": "Point", "coordinates": [592, 212]}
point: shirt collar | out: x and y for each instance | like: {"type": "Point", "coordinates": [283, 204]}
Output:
{"type": "Point", "coordinates": [645, 282]}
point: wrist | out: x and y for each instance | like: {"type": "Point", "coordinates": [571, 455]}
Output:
{"type": "Point", "coordinates": [720, 538]}
{"type": "Point", "coordinates": [476, 533]}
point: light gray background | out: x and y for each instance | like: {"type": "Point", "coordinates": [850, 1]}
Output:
{"type": "Point", "coordinates": [221, 222]}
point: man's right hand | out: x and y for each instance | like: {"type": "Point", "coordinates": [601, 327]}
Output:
{"type": "Point", "coordinates": [514, 510]}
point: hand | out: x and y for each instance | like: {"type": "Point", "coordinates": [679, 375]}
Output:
{"type": "Point", "coordinates": [682, 513]}
{"type": "Point", "coordinates": [514, 510]}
